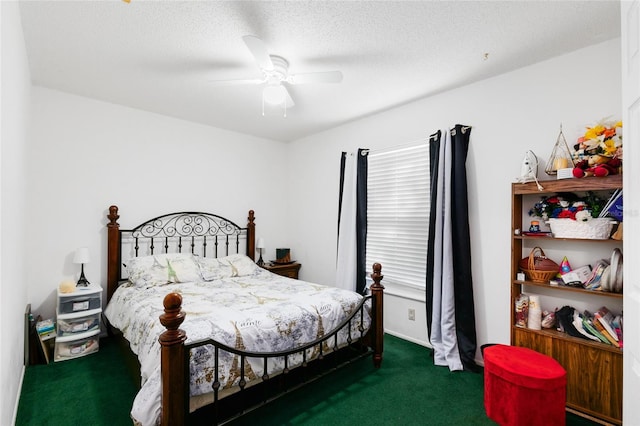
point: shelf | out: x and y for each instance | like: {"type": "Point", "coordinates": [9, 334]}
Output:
{"type": "Point", "coordinates": [592, 367]}
{"type": "Point", "coordinates": [569, 185]}
{"type": "Point", "coordinates": [579, 240]}
{"type": "Point", "coordinates": [566, 337]}
{"type": "Point", "coordinates": [573, 289]}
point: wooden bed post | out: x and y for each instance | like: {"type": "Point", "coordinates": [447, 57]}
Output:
{"type": "Point", "coordinates": [251, 236]}
{"type": "Point", "coordinates": [113, 251]}
{"type": "Point", "coordinates": [377, 290]}
{"type": "Point", "coordinates": [175, 374]}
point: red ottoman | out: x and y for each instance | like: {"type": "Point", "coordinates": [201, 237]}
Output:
{"type": "Point", "coordinates": [523, 387]}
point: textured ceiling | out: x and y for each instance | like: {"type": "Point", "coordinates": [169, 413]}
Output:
{"type": "Point", "coordinates": [161, 56]}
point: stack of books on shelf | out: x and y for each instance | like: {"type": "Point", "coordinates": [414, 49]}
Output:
{"type": "Point", "coordinates": [600, 326]}
{"type": "Point", "coordinates": [45, 327]}
{"type": "Point", "coordinates": [46, 330]}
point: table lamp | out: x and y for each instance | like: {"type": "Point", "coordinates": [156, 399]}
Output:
{"type": "Point", "coordinates": [82, 256]}
{"type": "Point", "coordinates": [260, 247]}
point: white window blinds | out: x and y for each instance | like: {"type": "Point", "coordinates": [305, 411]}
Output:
{"type": "Point", "coordinates": [398, 213]}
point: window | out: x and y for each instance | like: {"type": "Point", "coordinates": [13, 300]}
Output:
{"type": "Point", "coordinates": [398, 213]}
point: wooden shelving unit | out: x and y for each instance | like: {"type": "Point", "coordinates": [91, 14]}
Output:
{"type": "Point", "coordinates": [594, 370]}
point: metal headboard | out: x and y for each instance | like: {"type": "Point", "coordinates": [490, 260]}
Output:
{"type": "Point", "coordinates": [199, 233]}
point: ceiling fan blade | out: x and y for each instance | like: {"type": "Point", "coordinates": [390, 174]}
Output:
{"type": "Point", "coordinates": [237, 82]}
{"type": "Point", "coordinates": [315, 77]}
{"type": "Point", "coordinates": [288, 100]}
{"type": "Point", "coordinates": [259, 51]}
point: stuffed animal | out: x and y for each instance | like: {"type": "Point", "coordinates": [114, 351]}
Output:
{"type": "Point", "coordinates": [599, 166]}
{"type": "Point", "coordinates": [67, 287]}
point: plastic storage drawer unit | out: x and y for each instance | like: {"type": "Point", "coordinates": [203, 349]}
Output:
{"type": "Point", "coordinates": [71, 325]}
{"type": "Point", "coordinates": [76, 348]}
{"type": "Point", "coordinates": [81, 300]}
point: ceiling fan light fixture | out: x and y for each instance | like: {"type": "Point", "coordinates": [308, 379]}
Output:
{"type": "Point", "coordinates": [274, 94]}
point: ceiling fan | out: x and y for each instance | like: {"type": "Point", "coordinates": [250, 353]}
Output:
{"type": "Point", "coordinates": [275, 72]}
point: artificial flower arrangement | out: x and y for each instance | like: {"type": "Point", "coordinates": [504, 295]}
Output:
{"type": "Point", "coordinates": [599, 151]}
{"type": "Point", "coordinates": [568, 206]}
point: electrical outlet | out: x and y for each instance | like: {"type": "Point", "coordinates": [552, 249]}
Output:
{"type": "Point", "coordinates": [412, 314]}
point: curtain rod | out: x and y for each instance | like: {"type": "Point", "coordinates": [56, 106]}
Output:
{"type": "Point", "coordinates": [464, 130]}
{"type": "Point", "coordinates": [396, 147]}
{"type": "Point", "coordinates": [408, 144]}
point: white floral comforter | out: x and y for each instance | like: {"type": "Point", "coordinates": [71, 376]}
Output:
{"type": "Point", "coordinates": [258, 312]}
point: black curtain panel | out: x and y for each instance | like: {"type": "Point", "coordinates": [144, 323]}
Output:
{"type": "Point", "coordinates": [361, 219]}
{"type": "Point", "coordinates": [343, 159]}
{"type": "Point", "coordinates": [449, 284]}
{"type": "Point", "coordinates": [462, 278]}
{"type": "Point", "coordinates": [434, 155]}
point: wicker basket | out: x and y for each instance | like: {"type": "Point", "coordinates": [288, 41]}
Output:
{"type": "Point", "coordinates": [593, 229]}
{"type": "Point", "coordinates": [538, 267]}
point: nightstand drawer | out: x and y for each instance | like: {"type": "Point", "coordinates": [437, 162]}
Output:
{"type": "Point", "coordinates": [289, 273]}
{"type": "Point", "coordinates": [73, 326]}
{"type": "Point", "coordinates": [289, 270]}
{"type": "Point", "coordinates": [76, 348]}
{"type": "Point", "coordinates": [79, 303]}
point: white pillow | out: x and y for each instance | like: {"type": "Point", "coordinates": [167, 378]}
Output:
{"type": "Point", "coordinates": [211, 269]}
{"type": "Point", "coordinates": [235, 265]}
{"type": "Point", "coordinates": [160, 269]}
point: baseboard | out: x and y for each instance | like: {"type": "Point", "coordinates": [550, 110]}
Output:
{"type": "Point", "coordinates": [479, 362]}
{"type": "Point", "coordinates": [409, 339]}
{"type": "Point", "coordinates": [15, 408]}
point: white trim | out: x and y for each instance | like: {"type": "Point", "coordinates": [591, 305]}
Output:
{"type": "Point", "coordinates": [19, 393]}
{"type": "Point", "coordinates": [478, 361]}
{"type": "Point", "coordinates": [409, 339]}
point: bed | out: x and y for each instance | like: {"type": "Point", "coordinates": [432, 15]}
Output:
{"type": "Point", "coordinates": [214, 334]}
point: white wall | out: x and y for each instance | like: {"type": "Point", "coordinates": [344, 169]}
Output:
{"type": "Point", "coordinates": [510, 114]}
{"type": "Point", "coordinates": [86, 155]}
{"type": "Point", "coordinates": [14, 116]}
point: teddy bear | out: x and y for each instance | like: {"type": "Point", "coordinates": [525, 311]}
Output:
{"type": "Point", "coordinates": [597, 165]}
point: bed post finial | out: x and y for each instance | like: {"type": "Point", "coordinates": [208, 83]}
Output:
{"type": "Point", "coordinates": [113, 216]}
{"type": "Point", "coordinates": [172, 364]}
{"type": "Point", "coordinates": [172, 319]}
{"type": "Point", "coordinates": [251, 236]}
{"type": "Point", "coordinates": [377, 290]}
{"type": "Point", "coordinates": [113, 251]}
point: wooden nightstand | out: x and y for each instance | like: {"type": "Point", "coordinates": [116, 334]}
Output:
{"type": "Point", "coordinates": [287, 270]}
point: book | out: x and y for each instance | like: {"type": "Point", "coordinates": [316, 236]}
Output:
{"type": "Point", "coordinates": [617, 327]}
{"type": "Point", "coordinates": [46, 340]}
{"type": "Point", "coordinates": [598, 325]}
{"type": "Point", "coordinates": [45, 326]}
{"type": "Point", "coordinates": [579, 325]}
{"type": "Point", "coordinates": [613, 207]}
{"type": "Point", "coordinates": [605, 318]}
{"type": "Point", "coordinates": [593, 282]}
{"type": "Point", "coordinates": [587, 322]}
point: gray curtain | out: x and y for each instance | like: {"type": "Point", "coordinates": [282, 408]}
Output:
{"type": "Point", "coordinates": [449, 287]}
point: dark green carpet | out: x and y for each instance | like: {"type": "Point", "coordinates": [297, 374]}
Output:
{"type": "Point", "coordinates": [408, 390]}
{"type": "Point", "coordinates": [92, 390]}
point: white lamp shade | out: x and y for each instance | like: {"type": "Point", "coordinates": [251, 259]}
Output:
{"type": "Point", "coordinates": [260, 243]}
{"type": "Point", "coordinates": [82, 255]}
